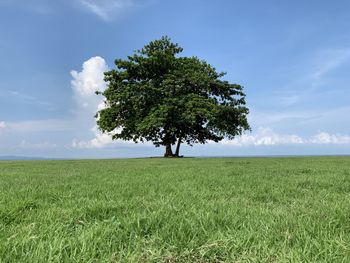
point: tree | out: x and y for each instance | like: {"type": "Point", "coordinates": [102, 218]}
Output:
{"type": "Point", "coordinates": [155, 95]}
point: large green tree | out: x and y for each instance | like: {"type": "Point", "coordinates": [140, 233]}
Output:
{"type": "Point", "coordinates": [156, 95]}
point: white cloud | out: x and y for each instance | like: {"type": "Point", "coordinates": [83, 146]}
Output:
{"type": "Point", "coordinates": [107, 9]}
{"type": "Point", "coordinates": [101, 140]}
{"type": "Point", "coordinates": [326, 138]}
{"type": "Point", "coordinates": [265, 136]}
{"type": "Point", "coordinates": [85, 84]}
{"type": "Point", "coordinates": [90, 79]}
{"type": "Point", "coordinates": [2, 125]}
{"type": "Point", "coordinates": [268, 137]}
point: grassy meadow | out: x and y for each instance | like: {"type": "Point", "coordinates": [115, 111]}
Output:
{"type": "Point", "coordinates": [176, 210]}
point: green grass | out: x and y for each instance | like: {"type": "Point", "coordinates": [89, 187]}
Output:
{"type": "Point", "coordinates": [176, 210]}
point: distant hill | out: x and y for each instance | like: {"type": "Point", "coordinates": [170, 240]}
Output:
{"type": "Point", "coordinates": [14, 157]}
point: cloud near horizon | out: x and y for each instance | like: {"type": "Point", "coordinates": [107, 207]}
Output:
{"type": "Point", "coordinates": [2, 125]}
{"type": "Point", "coordinates": [101, 140]}
{"type": "Point", "coordinates": [266, 136]}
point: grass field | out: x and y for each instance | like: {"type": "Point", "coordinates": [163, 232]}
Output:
{"type": "Point", "coordinates": [176, 210]}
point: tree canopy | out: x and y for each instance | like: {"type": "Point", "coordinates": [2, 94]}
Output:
{"type": "Point", "coordinates": [156, 95]}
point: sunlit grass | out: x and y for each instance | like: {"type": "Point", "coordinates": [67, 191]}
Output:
{"type": "Point", "coordinates": [176, 210]}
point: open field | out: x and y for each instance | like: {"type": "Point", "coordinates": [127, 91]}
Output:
{"type": "Point", "coordinates": [176, 210]}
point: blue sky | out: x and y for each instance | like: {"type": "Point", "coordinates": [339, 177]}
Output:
{"type": "Point", "coordinates": [292, 57]}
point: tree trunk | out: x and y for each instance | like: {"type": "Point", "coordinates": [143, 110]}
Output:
{"type": "Point", "coordinates": [168, 151]}
{"type": "Point", "coordinates": [177, 152]}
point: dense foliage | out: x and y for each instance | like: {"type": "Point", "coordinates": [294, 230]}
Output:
{"type": "Point", "coordinates": [154, 95]}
